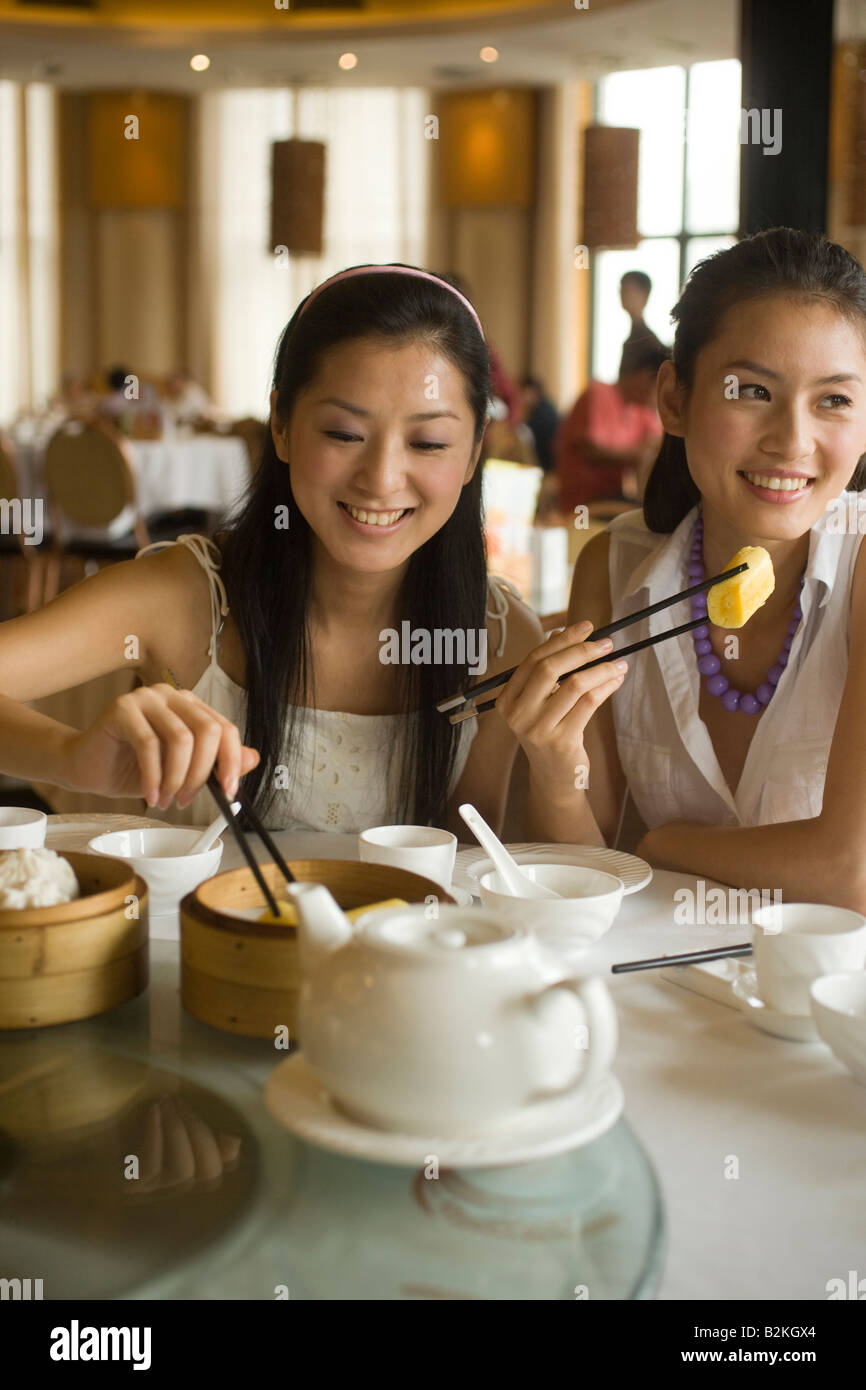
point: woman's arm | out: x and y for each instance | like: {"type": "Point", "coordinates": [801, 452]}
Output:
{"type": "Point", "coordinates": [551, 714]}
{"type": "Point", "coordinates": [822, 859]}
{"type": "Point", "coordinates": [153, 742]}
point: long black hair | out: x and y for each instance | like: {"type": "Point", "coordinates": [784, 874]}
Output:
{"type": "Point", "coordinates": [777, 261]}
{"type": "Point", "coordinates": [268, 574]}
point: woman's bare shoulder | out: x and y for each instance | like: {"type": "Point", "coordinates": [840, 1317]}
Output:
{"type": "Point", "coordinates": [523, 632]}
{"type": "Point", "coordinates": [590, 585]}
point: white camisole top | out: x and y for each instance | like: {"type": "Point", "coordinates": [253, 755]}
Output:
{"type": "Point", "coordinates": [339, 773]}
{"type": "Point", "coordinates": [663, 744]}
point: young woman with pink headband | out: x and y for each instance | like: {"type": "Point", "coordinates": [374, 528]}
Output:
{"type": "Point", "coordinates": [364, 515]}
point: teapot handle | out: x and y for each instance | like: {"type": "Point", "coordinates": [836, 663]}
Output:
{"type": "Point", "coordinates": [602, 1026]}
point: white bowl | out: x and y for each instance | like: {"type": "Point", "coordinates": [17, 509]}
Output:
{"type": "Point", "coordinates": [590, 901]}
{"type": "Point", "coordinates": [22, 828]}
{"type": "Point", "coordinates": [839, 1010]}
{"type": "Point", "coordinates": [162, 860]}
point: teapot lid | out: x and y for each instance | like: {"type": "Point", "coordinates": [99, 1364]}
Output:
{"type": "Point", "coordinates": [453, 932]}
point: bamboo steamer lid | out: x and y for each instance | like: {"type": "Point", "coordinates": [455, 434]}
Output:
{"type": "Point", "coordinates": [74, 960]}
{"type": "Point", "coordinates": [244, 977]}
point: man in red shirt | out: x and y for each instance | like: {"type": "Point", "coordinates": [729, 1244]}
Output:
{"type": "Point", "coordinates": [611, 435]}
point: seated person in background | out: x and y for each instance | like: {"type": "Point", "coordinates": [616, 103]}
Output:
{"type": "Point", "coordinates": [184, 401]}
{"type": "Point", "coordinates": [542, 418]}
{"type": "Point", "coordinates": [634, 291]}
{"type": "Point", "coordinates": [116, 403]}
{"type": "Point", "coordinates": [606, 445]}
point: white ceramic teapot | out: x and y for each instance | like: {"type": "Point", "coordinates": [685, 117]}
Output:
{"type": "Point", "coordinates": [458, 1024]}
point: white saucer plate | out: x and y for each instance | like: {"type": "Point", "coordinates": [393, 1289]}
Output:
{"type": "Point", "coordinates": [75, 831]}
{"type": "Point", "coordinates": [792, 1027]}
{"type": "Point", "coordinates": [296, 1099]}
{"type": "Point", "coordinates": [635, 873]}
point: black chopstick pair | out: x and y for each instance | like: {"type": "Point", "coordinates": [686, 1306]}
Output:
{"type": "Point", "coordinates": [690, 958]}
{"type": "Point", "coordinates": [467, 697]}
{"type": "Point", "coordinates": [222, 801]}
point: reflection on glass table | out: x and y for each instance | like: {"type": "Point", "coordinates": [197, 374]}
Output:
{"type": "Point", "coordinates": [223, 1203]}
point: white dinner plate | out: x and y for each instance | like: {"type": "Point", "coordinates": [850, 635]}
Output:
{"type": "Point", "coordinates": [296, 1099]}
{"type": "Point", "coordinates": [75, 831]}
{"type": "Point", "coordinates": [635, 873]}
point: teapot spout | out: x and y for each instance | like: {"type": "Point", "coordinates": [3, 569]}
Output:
{"type": "Point", "coordinates": [322, 925]}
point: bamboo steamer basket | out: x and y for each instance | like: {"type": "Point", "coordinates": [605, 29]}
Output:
{"type": "Point", "coordinates": [77, 959]}
{"type": "Point", "coordinates": [243, 977]}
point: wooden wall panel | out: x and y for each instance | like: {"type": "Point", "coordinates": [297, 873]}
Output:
{"type": "Point", "coordinates": [485, 149]}
{"type": "Point", "coordinates": [149, 171]}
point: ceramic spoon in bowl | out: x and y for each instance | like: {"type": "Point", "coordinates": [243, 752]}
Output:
{"type": "Point", "coordinates": [513, 876]}
{"type": "Point", "coordinates": [216, 827]}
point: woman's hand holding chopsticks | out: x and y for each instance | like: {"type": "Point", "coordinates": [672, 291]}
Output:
{"type": "Point", "coordinates": [158, 743]}
{"type": "Point", "coordinates": [548, 715]}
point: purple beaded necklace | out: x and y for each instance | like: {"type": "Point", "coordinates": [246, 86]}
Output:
{"type": "Point", "coordinates": [709, 664]}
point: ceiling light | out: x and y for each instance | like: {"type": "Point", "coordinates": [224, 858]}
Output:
{"type": "Point", "coordinates": [489, 55]}
{"type": "Point", "coordinates": [199, 62]}
{"type": "Point", "coordinates": [348, 60]}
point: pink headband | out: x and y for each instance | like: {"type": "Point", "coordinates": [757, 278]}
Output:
{"type": "Point", "coordinates": [393, 270]}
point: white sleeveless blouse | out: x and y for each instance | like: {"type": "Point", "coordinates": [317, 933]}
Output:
{"type": "Point", "coordinates": [663, 744]}
{"type": "Point", "coordinates": [341, 759]}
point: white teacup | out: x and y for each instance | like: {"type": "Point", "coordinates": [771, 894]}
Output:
{"type": "Point", "coordinates": [794, 943]}
{"type": "Point", "coordinates": [418, 848]}
{"type": "Point", "coordinates": [22, 828]}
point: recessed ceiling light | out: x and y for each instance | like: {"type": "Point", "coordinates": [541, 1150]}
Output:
{"type": "Point", "coordinates": [199, 62]}
{"type": "Point", "coordinates": [348, 60]}
{"type": "Point", "coordinates": [489, 55]}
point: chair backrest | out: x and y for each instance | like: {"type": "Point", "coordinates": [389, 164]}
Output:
{"type": "Point", "coordinates": [8, 470]}
{"type": "Point", "coordinates": [88, 473]}
{"type": "Point", "coordinates": [254, 433]}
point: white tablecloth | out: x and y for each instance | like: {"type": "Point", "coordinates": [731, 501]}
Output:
{"type": "Point", "coordinates": [207, 470]}
{"type": "Point", "coordinates": [703, 1086]}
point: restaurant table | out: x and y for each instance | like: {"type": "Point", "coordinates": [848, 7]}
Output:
{"type": "Point", "coordinates": [758, 1145]}
{"type": "Point", "coordinates": [207, 471]}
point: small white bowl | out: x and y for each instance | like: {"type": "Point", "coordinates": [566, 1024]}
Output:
{"type": "Point", "coordinates": [161, 858]}
{"type": "Point", "coordinates": [839, 1009]}
{"type": "Point", "coordinates": [22, 828]}
{"type": "Point", "coordinates": [590, 901]}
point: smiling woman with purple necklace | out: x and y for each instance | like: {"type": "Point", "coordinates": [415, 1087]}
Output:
{"type": "Point", "coordinates": [744, 752]}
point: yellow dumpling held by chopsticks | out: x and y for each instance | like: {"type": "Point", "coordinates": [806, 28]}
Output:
{"type": "Point", "coordinates": [732, 603]}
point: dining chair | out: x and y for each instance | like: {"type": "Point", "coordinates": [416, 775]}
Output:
{"type": "Point", "coordinates": [90, 482]}
{"type": "Point", "coordinates": [254, 433]}
{"type": "Point", "coordinates": [13, 548]}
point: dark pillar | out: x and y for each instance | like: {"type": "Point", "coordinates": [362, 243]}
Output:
{"type": "Point", "coordinates": [786, 48]}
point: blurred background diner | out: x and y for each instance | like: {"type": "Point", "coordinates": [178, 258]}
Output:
{"type": "Point", "coordinates": [165, 204]}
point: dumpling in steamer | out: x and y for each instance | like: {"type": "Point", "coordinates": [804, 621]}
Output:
{"type": "Point", "coordinates": [35, 878]}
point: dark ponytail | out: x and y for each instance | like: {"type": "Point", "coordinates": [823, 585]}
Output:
{"type": "Point", "coordinates": [778, 261]}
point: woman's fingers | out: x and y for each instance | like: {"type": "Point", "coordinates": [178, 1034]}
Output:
{"type": "Point", "coordinates": [179, 1164]}
{"type": "Point", "coordinates": [178, 740]}
{"type": "Point", "coordinates": [206, 1153]}
{"type": "Point", "coordinates": [541, 670]}
{"type": "Point", "coordinates": [131, 724]}
{"type": "Point", "coordinates": [551, 691]}
{"type": "Point", "coordinates": [572, 725]}
{"type": "Point", "coordinates": [569, 709]}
